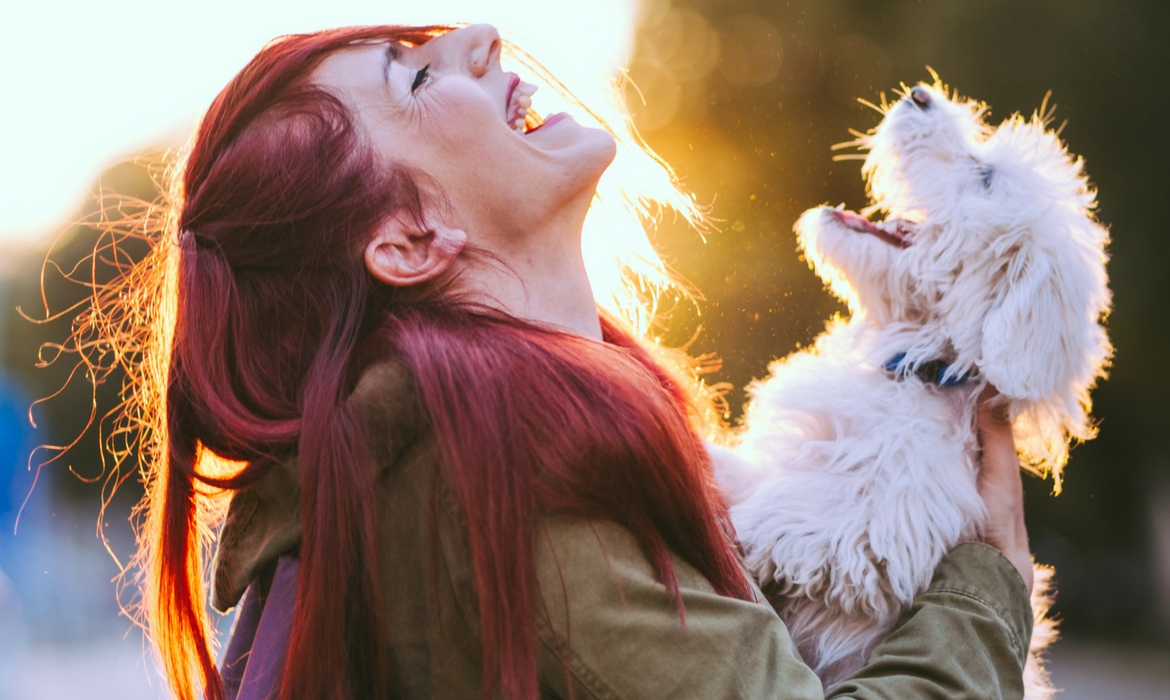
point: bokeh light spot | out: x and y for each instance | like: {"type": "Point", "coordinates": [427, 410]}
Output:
{"type": "Point", "coordinates": [855, 67]}
{"type": "Point", "coordinates": [752, 51]}
{"type": "Point", "coordinates": [653, 98]}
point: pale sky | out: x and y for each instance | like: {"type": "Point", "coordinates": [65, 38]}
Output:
{"type": "Point", "coordinates": [88, 82]}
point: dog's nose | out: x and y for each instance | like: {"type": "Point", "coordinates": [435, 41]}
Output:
{"type": "Point", "coordinates": [920, 96]}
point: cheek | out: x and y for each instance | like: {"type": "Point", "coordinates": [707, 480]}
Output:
{"type": "Point", "coordinates": [466, 135]}
{"type": "Point", "coordinates": [459, 112]}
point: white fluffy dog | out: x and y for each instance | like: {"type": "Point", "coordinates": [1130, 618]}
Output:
{"type": "Point", "coordinates": [856, 468]}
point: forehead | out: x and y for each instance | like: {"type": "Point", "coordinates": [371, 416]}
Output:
{"type": "Point", "coordinates": [356, 74]}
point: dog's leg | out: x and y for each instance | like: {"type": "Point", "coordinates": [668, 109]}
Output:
{"type": "Point", "coordinates": [736, 476]}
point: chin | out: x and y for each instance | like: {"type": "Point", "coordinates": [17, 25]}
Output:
{"type": "Point", "coordinates": [585, 158]}
{"type": "Point", "coordinates": [602, 149]}
{"type": "Point", "coordinates": [561, 134]}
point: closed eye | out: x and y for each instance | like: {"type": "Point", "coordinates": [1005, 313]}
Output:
{"type": "Point", "coordinates": [985, 174]}
{"type": "Point", "coordinates": [420, 77]}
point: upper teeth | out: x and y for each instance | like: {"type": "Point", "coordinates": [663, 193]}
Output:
{"type": "Point", "coordinates": [521, 102]}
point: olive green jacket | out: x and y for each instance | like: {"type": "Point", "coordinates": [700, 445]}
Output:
{"type": "Point", "coordinates": [606, 626]}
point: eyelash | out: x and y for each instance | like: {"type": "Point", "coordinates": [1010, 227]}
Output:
{"type": "Point", "coordinates": [420, 77]}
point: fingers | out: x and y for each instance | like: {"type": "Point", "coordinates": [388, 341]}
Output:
{"type": "Point", "coordinates": [996, 442]}
{"type": "Point", "coordinates": [993, 406]}
{"type": "Point", "coordinates": [1000, 484]}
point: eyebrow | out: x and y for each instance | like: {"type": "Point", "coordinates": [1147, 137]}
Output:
{"type": "Point", "coordinates": [393, 53]}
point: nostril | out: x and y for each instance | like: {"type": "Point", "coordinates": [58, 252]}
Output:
{"type": "Point", "coordinates": [920, 96]}
{"type": "Point", "coordinates": [483, 47]}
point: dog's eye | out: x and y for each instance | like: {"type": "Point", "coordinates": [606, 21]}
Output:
{"type": "Point", "coordinates": [985, 174]}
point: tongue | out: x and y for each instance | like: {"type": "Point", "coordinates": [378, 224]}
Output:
{"type": "Point", "coordinates": [895, 235]}
{"type": "Point", "coordinates": [548, 121]}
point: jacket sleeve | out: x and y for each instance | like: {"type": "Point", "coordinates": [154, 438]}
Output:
{"type": "Point", "coordinates": [966, 636]}
{"type": "Point", "coordinates": [609, 630]}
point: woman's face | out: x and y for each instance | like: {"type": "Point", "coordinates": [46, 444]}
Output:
{"type": "Point", "coordinates": [447, 109]}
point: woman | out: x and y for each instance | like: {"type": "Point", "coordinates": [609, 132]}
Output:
{"type": "Point", "coordinates": [372, 303]}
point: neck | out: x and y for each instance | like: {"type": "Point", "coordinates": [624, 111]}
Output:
{"type": "Point", "coordinates": [541, 279]}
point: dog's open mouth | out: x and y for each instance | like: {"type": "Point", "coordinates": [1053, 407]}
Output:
{"type": "Point", "coordinates": [896, 232]}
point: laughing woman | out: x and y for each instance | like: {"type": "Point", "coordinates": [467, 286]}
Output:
{"type": "Point", "coordinates": [450, 475]}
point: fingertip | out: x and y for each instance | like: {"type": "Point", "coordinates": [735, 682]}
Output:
{"type": "Point", "coordinates": [994, 406]}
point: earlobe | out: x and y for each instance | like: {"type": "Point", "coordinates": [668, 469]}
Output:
{"type": "Point", "coordinates": [401, 254]}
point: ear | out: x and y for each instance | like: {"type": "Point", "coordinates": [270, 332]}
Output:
{"type": "Point", "coordinates": [1037, 337]}
{"type": "Point", "coordinates": [401, 254]}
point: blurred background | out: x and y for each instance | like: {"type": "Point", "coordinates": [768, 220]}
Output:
{"type": "Point", "coordinates": [744, 98]}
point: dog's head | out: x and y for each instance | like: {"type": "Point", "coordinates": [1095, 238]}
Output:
{"type": "Point", "coordinates": [988, 255]}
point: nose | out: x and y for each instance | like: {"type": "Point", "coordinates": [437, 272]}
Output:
{"type": "Point", "coordinates": [920, 96]}
{"type": "Point", "coordinates": [483, 48]}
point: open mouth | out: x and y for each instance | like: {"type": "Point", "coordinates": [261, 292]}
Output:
{"type": "Point", "coordinates": [895, 232]}
{"type": "Point", "coordinates": [518, 106]}
{"type": "Point", "coordinates": [518, 112]}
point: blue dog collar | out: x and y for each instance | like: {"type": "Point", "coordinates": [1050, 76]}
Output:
{"type": "Point", "coordinates": [932, 372]}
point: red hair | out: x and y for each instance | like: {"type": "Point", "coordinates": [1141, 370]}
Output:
{"type": "Point", "coordinates": [569, 426]}
{"type": "Point", "coordinates": [274, 317]}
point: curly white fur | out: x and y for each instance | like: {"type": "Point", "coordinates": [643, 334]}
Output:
{"type": "Point", "coordinates": [850, 484]}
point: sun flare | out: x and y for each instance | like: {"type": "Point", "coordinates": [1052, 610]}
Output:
{"type": "Point", "coordinates": [122, 76]}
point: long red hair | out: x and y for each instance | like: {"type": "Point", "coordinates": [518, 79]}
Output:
{"type": "Point", "coordinates": [272, 320]}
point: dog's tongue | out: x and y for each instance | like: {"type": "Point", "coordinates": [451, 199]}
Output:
{"type": "Point", "coordinates": [893, 231]}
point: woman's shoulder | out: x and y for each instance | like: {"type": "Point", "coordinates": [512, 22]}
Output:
{"type": "Point", "coordinates": [386, 404]}
{"type": "Point", "coordinates": [263, 520]}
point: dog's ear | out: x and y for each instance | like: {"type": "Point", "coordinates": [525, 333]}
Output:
{"type": "Point", "coordinates": [1042, 336]}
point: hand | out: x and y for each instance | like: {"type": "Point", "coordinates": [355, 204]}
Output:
{"type": "Point", "coordinates": [1000, 484]}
